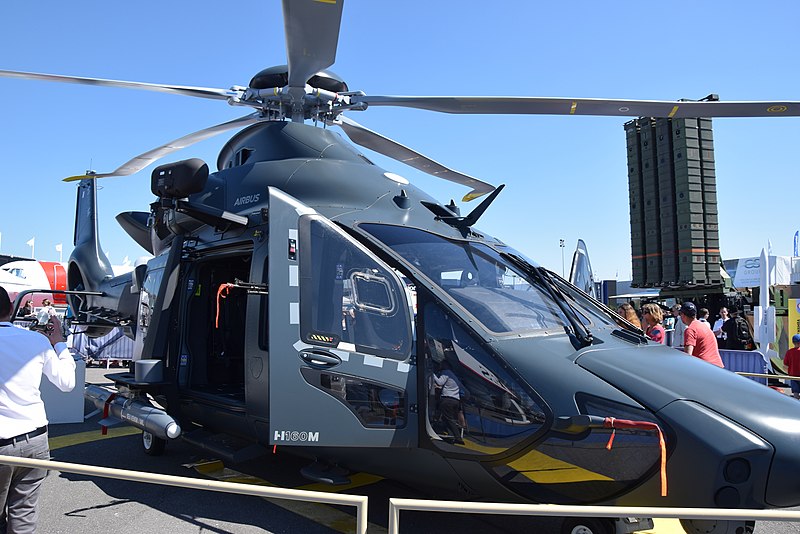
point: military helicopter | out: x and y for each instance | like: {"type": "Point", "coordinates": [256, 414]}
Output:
{"type": "Point", "coordinates": [303, 299]}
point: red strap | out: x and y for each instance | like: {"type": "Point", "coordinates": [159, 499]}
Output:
{"type": "Point", "coordinates": [104, 428]}
{"type": "Point", "coordinates": [613, 424]}
{"type": "Point", "coordinates": [222, 292]}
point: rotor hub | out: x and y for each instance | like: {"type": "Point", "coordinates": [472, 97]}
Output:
{"type": "Point", "coordinates": [278, 76]}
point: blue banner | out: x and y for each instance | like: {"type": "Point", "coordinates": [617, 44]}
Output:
{"type": "Point", "coordinates": [796, 235]}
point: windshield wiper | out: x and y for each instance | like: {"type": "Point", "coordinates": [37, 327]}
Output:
{"type": "Point", "coordinates": [613, 315]}
{"type": "Point", "coordinates": [582, 332]}
{"type": "Point", "coordinates": [579, 330]}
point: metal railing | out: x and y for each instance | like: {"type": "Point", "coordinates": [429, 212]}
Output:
{"type": "Point", "coordinates": [553, 510]}
{"type": "Point", "coordinates": [358, 501]}
{"type": "Point", "coordinates": [396, 505]}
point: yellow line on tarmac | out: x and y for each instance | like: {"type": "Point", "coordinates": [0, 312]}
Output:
{"type": "Point", "coordinates": [665, 525]}
{"type": "Point", "coordinates": [356, 481]}
{"type": "Point", "coordinates": [322, 514]}
{"type": "Point", "coordinates": [68, 440]}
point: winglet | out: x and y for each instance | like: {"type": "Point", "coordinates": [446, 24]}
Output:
{"type": "Point", "coordinates": [472, 195]}
{"type": "Point", "coordinates": [90, 175]}
{"type": "Point", "coordinates": [76, 178]}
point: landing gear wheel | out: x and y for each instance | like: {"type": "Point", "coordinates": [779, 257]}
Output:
{"type": "Point", "coordinates": [717, 526]}
{"type": "Point", "coordinates": [154, 446]}
{"type": "Point", "coordinates": [587, 525]}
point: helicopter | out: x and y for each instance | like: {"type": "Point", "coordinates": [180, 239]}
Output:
{"type": "Point", "coordinates": [302, 299]}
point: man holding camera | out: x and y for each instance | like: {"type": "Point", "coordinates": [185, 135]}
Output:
{"type": "Point", "coordinates": [24, 357]}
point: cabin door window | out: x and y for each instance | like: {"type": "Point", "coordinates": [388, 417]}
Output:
{"type": "Point", "coordinates": [474, 405]}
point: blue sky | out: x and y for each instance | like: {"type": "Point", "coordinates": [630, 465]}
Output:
{"type": "Point", "coordinates": [565, 176]}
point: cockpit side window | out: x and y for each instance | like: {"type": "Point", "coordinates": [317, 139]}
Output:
{"type": "Point", "coordinates": [20, 273]}
{"type": "Point", "coordinates": [349, 296]}
{"type": "Point", "coordinates": [242, 156]}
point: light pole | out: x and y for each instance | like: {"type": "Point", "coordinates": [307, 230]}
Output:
{"type": "Point", "coordinates": [561, 244]}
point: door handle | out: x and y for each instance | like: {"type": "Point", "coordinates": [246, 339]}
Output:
{"type": "Point", "coordinates": [320, 358]}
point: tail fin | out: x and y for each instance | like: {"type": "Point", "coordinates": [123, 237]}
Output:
{"type": "Point", "coordinates": [88, 264]}
{"type": "Point", "coordinates": [581, 272]}
{"type": "Point", "coordinates": [90, 270]}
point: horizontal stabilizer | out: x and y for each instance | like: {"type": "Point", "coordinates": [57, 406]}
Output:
{"type": "Point", "coordinates": [135, 224]}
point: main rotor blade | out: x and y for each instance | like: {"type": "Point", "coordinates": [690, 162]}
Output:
{"type": "Point", "coordinates": [310, 46]}
{"type": "Point", "coordinates": [143, 160]}
{"type": "Point", "coordinates": [202, 92]}
{"type": "Point", "coordinates": [383, 145]}
{"type": "Point", "coordinates": [585, 106]}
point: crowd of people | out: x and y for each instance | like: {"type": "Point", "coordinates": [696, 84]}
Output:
{"type": "Point", "coordinates": [730, 329]}
{"type": "Point", "coordinates": [691, 330]}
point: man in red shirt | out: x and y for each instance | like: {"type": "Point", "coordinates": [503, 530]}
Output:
{"type": "Point", "coordinates": [698, 339]}
{"type": "Point", "coordinates": [792, 362]}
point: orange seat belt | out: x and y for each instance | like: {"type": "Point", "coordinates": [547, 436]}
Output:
{"type": "Point", "coordinates": [222, 292]}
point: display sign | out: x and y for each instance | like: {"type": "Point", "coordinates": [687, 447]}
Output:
{"type": "Point", "coordinates": [748, 273]}
{"type": "Point", "coordinates": [794, 318]}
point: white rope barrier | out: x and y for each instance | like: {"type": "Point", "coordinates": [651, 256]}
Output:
{"type": "Point", "coordinates": [396, 505]}
{"type": "Point", "coordinates": [359, 501]}
{"type": "Point", "coordinates": [763, 375]}
{"type": "Point", "coordinates": [553, 510]}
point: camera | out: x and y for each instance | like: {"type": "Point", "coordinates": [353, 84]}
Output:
{"type": "Point", "coordinates": [43, 328]}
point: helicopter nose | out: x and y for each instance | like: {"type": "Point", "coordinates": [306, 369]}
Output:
{"type": "Point", "coordinates": [783, 488]}
{"type": "Point", "coordinates": [735, 443]}
{"type": "Point", "coordinates": [714, 462]}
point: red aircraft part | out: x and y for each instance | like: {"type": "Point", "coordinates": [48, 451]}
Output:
{"type": "Point", "coordinates": [57, 276]}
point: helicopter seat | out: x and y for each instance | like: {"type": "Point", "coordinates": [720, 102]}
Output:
{"type": "Point", "coordinates": [468, 278]}
{"type": "Point", "coordinates": [377, 334]}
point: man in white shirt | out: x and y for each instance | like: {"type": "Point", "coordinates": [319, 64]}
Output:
{"type": "Point", "coordinates": [24, 357]}
{"type": "Point", "coordinates": [717, 328]}
{"type": "Point", "coordinates": [450, 400]}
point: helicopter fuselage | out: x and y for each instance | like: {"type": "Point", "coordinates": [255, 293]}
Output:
{"type": "Point", "coordinates": [343, 314]}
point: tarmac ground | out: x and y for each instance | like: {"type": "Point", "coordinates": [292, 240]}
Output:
{"type": "Point", "coordinates": [76, 503]}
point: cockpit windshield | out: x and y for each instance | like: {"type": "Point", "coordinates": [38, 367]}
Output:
{"type": "Point", "coordinates": [491, 288]}
{"type": "Point", "coordinates": [587, 308]}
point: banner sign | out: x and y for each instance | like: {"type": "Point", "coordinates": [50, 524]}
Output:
{"type": "Point", "coordinates": [748, 273]}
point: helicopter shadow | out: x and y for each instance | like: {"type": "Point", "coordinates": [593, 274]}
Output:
{"type": "Point", "coordinates": [106, 503]}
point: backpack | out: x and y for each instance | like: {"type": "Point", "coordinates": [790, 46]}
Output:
{"type": "Point", "coordinates": [742, 331]}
